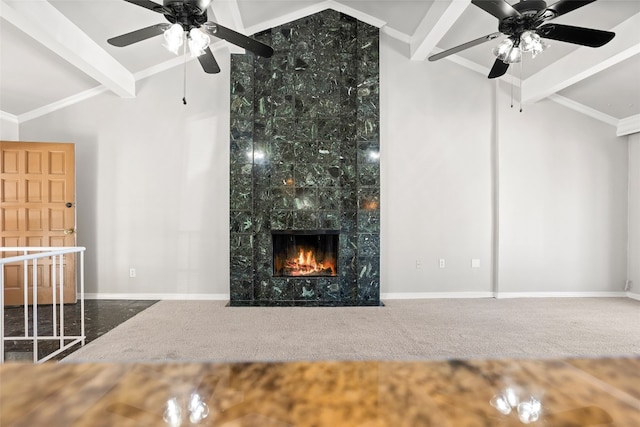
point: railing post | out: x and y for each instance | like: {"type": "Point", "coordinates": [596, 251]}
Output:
{"type": "Point", "coordinates": [35, 310]}
{"type": "Point", "coordinates": [82, 334]}
{"type": "Point", "coordinates": [25, 268]}
{"type": "Point", "coordinates": [54, 284]}
{"type": "Point", "coordinates": [62, 304]}
{"type": "Point", "coordinates": [62, 299]}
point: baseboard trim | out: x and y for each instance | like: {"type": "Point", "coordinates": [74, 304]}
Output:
{"type": "Point", "coordinates": [434, 295]}
{"type": "Point", "coordinates": [383, 296]}
{"type": "Point", "coordinates": [202, 297]}
{"type": "Point", "coordinates": [561, 294]}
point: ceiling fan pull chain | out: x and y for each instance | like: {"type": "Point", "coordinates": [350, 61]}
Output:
{"type": "Point", "coordinates": [512, 84]}
{"type": "Point", "coordinates": [184, 83]}
{"type": "Point", "coordinates": [520, 84]}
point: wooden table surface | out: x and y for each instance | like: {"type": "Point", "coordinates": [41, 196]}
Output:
{"type": "Point", "coordinates": [456, 393]}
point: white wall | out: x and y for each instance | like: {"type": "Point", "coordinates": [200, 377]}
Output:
{"type": "Point", "coordinates": [153, 186]}
{"type": "Point", "coordinates": [436, 128]}
{"type": "Point", "coordinates": [562, 187]}
{"type": "Point", "coordinates": [152, 182]}
{"type": "Point", "coordinates": [634, 212]}
{"type": "Point", "coordinates": [563, 201]}
{"type": "Point", "coordinates": [8, 129]}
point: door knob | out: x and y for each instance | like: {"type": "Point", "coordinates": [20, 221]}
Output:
{"type": "Point", "coordinates": [69, 204]}
{"type": "Point", "coordinates": [69, 231]}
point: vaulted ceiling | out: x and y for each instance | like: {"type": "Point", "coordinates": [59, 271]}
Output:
{"type": "Point", "coordinates": [53, 53]}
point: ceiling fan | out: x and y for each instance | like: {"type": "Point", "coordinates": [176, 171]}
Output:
{"type": "Point", "coordinates": [524, 25]}
{"type": "Point", "coordinates": [188, 20]}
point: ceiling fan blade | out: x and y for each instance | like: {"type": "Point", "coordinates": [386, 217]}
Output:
{"type": "Point", "coordinates": [208, 62]}
{"type": "Point", "coordinates": [498, 8]}
{"type": "Point", "coordinates": [238, 39]}
{"type": "Point", "coordinates": [464, 46]}
{"type": "Point", "coordinates": [565, 6]}
{"type": "Point", "coordinates": [138, 35]}
{"type": "Point", "coordinates": [498, 69]}
{"type": "Point", "coordinates": [576, 35]}
{"type": "Point", "coordinates": [147, 4]}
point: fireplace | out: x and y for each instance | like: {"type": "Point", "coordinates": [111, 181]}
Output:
{"type": "Point", "coordinates": [305, 253]}
{"type": "Point", "coordinates": [304, 155]}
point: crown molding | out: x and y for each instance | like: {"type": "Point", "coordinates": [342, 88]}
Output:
{"type": "Point", "coordinates": [581, 108]}
{"type": "Point", "coordinates": [395, 34]}
{"type": "Point", "coordinates": [90, 93]}
{"type": "Point", "coordinates": [8, 117]}
{"type": "Point", "coordinates": [583, 63]}
{"type": "Point", "coordinates": [624, 126]}
{"type": "Point", "coordinates": [58, 105]}
{"type": "Point", "coordinates": [629, 125]}
{"type": "Point", "coordinates": [54, 31]}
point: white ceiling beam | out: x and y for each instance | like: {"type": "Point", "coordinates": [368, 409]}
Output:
{"type": "Point", "coordinates": [435, 24]}
{"type": "Point", "coordinates": [227, 14]}
{"type": "Point", "coordinates": [583, 63]}
{"type": "Point", "coordinates": [48, 26]}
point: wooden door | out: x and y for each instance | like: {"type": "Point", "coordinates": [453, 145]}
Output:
{"type": "Point", "coordinates": [37, 191]}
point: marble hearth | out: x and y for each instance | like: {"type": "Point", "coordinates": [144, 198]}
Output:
{"type": "Point", "coordinates": [305, 157]}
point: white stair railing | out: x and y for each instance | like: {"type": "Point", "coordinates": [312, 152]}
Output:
{"type": "Point", "coordinates": [57, 284]}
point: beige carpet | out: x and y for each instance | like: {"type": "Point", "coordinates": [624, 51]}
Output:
{"type": "Point", "coordinates": [402, 330]}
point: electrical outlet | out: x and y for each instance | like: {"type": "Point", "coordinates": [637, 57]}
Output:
{"type": "Point", "coordinates": [418, 264]}
{"type": "Point", "coordinates": [441, 263]}
{"type": "Point", "coordinates": [475, 263]}
{"type": "Point", "coordinates": [132, 272]}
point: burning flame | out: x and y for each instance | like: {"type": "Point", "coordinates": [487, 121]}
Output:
{"type": "Point", "coordinates": [305, 264]}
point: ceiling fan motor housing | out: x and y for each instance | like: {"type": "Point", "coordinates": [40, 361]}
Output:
{"type": "Point", "coordinates": [188, 13]}
{"type": "Point", "coordinates": [529, 18]}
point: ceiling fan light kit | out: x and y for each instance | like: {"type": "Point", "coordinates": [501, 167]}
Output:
{"type": "Point", "coordinates": [508, 51]}
{"type": "Point", "coordinates": [524, 25]}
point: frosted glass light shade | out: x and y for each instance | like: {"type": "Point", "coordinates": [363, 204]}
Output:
{"type": "Point", "coordinates": [198, 42]}
{"type": "Point", "coordinates": [502, 50]}
{"type": "Point", "coordinates": [173, 38]}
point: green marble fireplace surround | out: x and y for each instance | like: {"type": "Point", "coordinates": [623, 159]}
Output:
{"type": "Point", "coordinates": [305, 156]}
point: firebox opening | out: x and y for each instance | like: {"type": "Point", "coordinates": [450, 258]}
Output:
{"type": "Point", "coordinates": [305, 253]}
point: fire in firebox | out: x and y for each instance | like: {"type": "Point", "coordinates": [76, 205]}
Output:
{"type": "Point", "coordinates": [305, 254]}
{"type": "Point", "coordinates": [305, 264]}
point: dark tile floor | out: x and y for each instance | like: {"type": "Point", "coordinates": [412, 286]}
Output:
{"type": "Point", "coordinates": [100, 317]}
